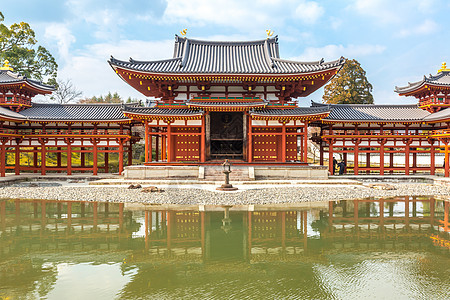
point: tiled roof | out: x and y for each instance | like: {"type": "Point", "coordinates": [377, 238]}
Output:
{"type": "Point", "coordinates": [298, 111]}
{"type": "Point", "coordinates": [441, 79]}
{"type": "Point", "coordinates": [162, 111]}
{"type": "Point", "coordinates": [208, 57]}
{"type": "Point", "coordinates": [440, 115]}
{"type": "Point", "coordinates": [9, 77]}
{"type": "Point", "coordinates": [75, 112]}
{"type": "Point", "coordinates": [371, 112]}
{"type": "Point", "coordinates": [5, 112]}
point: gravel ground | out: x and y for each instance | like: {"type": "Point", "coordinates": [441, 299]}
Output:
{"type": "Point", "coordinates": [193, 196]}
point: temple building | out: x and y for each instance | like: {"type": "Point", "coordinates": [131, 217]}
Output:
{"type": "Point", "coordinates": [226, 100]}
{"type": "Point", "coordinates": [65, 138]}
{"type": "Point", "coordinates": [381, 132]}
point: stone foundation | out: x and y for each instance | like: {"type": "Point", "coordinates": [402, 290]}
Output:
{"type": "Point", "coordinates": [239, 172]}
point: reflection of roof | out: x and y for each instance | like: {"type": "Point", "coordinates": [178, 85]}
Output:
{"type": "Point", "coordinates": [9, 77]}
{"type": "Point", "coordinates": [441, 79]}
{"type": "Point", "coordinates": [249, 57]}
{"type": "Point", "coordinates": [371, 112]}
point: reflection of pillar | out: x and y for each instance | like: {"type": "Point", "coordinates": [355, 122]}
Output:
{"type": "Point", "coordinates": [121, 217]}
{"type": "Point", "coordinates": [407, 212]}
{"type": "Point", "coordinates": [95, 208]}
{"type": "Point", "coordinates": [69, 215]}
{"type": "Point", "coordinates": [17, 203]}
{"type": "Point", "coordinates": [3, 214]}
{"type": "Point", "coordinates": [146, 230]}
{"type": "Point", "coordinates": [414, 209]}
{"type": "Point", "coordinates": [43, 213]}
{"type": "Point", "coordinates": [202, 232]}
{"type": "Point", "coordinates": [432, 203]}
{"type": "Point", "coordinates": [305, 230]}
{"type": "Point", "coordinates": [249, 235]}
{"type": "Point", "coordinates": [169, 230]}
{"type": "Point", "coordinates": [381, 217]}
{"type": "Point", "coordinates": [330, 215]}
{"type": "Point", "coordinates": [356, 216]}
{"type": "Point", "coordinates": [283, 230]}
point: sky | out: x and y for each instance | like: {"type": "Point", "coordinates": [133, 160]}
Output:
{"type": "Point", "coordinates": [395, 41]}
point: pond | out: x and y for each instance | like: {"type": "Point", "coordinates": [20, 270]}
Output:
{"type": "Point", "coordinates": [361, 249]}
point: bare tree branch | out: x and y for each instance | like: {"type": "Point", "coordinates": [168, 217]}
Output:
{"type": "Point", "coordinates": [65, 92]}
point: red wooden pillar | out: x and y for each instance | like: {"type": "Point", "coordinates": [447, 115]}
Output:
{"type": "Point", "coordinates": [82, 159]}
{"type": "Point", "coordinates": [163, 146]}
{"type": "Point", "coordinates": [35, 159]}
{"type": "Point", "coordinates": [203, 140]}
{"type": "Point", "coordinates": [69, 157]}
{"type": "Point", "coordinates": [283, 142]}
{"type": "Point", "coordinates": [391, 161]}
{"type": "Point", "coordinates": [382, 157]}
{"type": "Point", "coordinates": [355, 157]}
{"type": "Point", "coordinates": [95, 153]}
{"type": "Point", "coordinates": [147, 142]}
{"type": "Point", "coordinates": [407, 157]}
{"type": "Point", "coordinates": [330, 157]}
{"type": "Point", "coordinates": [250, 139]}
{"type": "Point", "coordinates": [43, 159]}
{"type": "Point", "coordinates": [305, 143]}
{"type": "Point", "coordinates": [106, 160]}
{"type": "Point", "coordinates": [446, 168]}
{"type": "Point", "coordinates": [432, 160]}
{"type": "Point", "coordinates": [414, 162]}
{"type": "Point", "coordinates": [120, 156]}
{"type": "Point", "coordinates": [2, 160]}
{"type": "Point", "coordinates": [321, 153]}
{"type": "Point", "coordinates": [17, 157]}
{"type": "Point", "coordinates": [368, 162]}
{"type": "Point", "coordinates": [169, 142]}
{"type": "Point", "coordinates": [157, 141]}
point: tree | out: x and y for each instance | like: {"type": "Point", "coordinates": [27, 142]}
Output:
{"type": "Point", "coordinates": [109, 98]}
{"type": "Point", "coordinates": [65, 92]}
{"type": "Point", "coordinates": [349, 86]}
{"type": "Point", "coordinates": [18, 44]}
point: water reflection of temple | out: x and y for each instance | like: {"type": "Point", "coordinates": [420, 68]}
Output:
{"type": "Point", "coordinates": [31, 232]}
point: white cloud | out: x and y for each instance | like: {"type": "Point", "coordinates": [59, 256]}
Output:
{"type": "Point", "coordinates": [427, 27]}
{"type": "Point", "coordinates": [309, 12]}
{"type": "Point", "coordinates": [332, 52]}
{"type": "Point", "coordinates": [381, 10]}
{"type": "Point", "coordinates": [90, 72]}
{"type": "Point", "coordinates": [248, 15]}
{"type": "Point", "coordinates": [63, 37]}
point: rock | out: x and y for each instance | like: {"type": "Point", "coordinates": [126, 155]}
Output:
{"type": "Point", "coordinates": [382, 186]}
{"type": "Point", "coordinates": [152, 189]}
{"type": "Point", "coordinates": [33, 185]}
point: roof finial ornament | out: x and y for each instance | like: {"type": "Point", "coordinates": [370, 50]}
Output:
{"type": "Point", "coordinates": [444, 68]}
{"type": "Point", "coordinates": [269, 32]}
{"type": "Point", "coordinates": [183, 32]}
{"type": "Point", "coordinates": [6, 66]}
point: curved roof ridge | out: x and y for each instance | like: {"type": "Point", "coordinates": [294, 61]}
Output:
{"type": "Point", "coordinates": [76, 104]}
{"type": "Point", "coordinates": [206, 42]}
{"type": "Point", "coordinates": [147, 61]}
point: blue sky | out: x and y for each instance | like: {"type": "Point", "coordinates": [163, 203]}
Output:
{"type": "Point", "coordinates": [395, 41]}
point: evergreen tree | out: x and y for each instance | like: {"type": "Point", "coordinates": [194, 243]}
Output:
{"type": "Point", "coordinates": [18, 45]}
{"type": "Point", "coordinates": [349, 86]}
{"type": "Point", "coordinates": [109, 98]}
